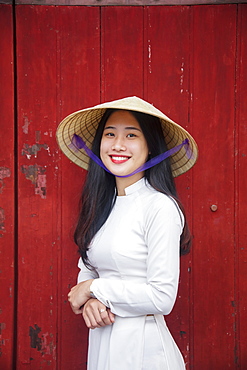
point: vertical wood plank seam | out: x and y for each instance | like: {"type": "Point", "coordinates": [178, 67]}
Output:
{"type": "Point", "coordinates": [102, 53]}
{"type": "Point", "coordinates": [144, 11]}
{"type": "Point", "coordinates": [59, 317]}
{"type": "Point", "coordinates": [16, 163]}
{"type": "Point", "coordinates": [144, 20]}
{"type": "Point", "coordinates": [191, 120]}
{"type": "Point", "coordinates": [236, 192]}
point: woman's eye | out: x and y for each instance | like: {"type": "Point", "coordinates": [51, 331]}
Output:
{"type": "Point", "coordinates": [109, 134]}
{"type": "Point", "coordinates": [131, 135]}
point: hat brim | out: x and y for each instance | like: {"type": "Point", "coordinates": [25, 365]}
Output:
{"type": "Point", "coordinates": [85, 122]}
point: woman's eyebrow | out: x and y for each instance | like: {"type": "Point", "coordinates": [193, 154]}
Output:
{"type": "Point", "coordinates": [126, 128]}
{"type": "Point", "coordinates": [110, 128]}
{"type": "Point", "coordinates": [132, 128]}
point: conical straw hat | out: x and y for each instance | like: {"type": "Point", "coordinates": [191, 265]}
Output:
{"type": "Point", "coordinates": [85, 122]}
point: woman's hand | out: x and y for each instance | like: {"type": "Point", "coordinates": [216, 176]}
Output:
{"type": "Point", "coordinates": [79, 295]}
{"type": "Point", "coordinates": [96, 314]}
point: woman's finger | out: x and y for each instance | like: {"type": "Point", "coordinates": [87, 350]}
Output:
{"type": "Point", "coordinates": [91, 315]}
{"type": "Point", "coordinates": [104, 315]}
{"type": "Point", "coordinates": [96, 315]}
{"type": "Point", "coordinates": [111, 316]}
{"type": "Point", "coordinates": [89, 321]}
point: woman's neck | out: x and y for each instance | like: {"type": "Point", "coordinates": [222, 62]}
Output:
{"type": "Point", "coordinates": [123, 182]}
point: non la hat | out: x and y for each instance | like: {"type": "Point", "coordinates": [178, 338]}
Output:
{"type": "Point", "coordinates": [84, 123]}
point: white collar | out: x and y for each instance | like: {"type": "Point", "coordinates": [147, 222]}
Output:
{"type": "Point", "coordinates": [135, 187]}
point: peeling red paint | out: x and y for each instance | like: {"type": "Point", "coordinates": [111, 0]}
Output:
{"type": "Point", "coordinates": [41, 186]}
{"type": "Point", "coordinates": [48, 348]}
{"type": "Point", "coordinates": [34, 337]}
{"type": "Point", "coordinates": [2, 219]}
{"type": "Point", "coordinates": [26, 124]}
{"type": "Point", "coordinates": [37, 136]}
{"type": "Point", "coordinates": [30, 150]}
{"type": "Point", "coordinates": [182, 333]}
{"type": "Point", "coordinates": [41, 341]}
{"type": "Point", "coordinates": [36, 174]}
{"type": "Point", "coordinates": [4, 172]}
{"type": "Point", "coordinates": [2, 340]}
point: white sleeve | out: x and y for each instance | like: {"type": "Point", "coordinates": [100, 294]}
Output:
{"type": "Point", "coordinates": [158, 294]}
{"type": "Point", "coordinates": [85, 273]}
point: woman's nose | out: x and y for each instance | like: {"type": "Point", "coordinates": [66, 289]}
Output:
{"type": "Point", "coordinates": [118, 145]}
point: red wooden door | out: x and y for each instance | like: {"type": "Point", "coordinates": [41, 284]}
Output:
{"type": "Point", "coordinates": [189, 62]}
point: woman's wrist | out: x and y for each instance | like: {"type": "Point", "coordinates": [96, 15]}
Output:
{"type": "Point", "coordinates": [91, 290]}
{"type": "Point", "coordinates": [88, 286]}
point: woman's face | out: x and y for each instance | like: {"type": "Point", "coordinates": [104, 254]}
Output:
{"type": "Point", "coordinates": [123, 146]}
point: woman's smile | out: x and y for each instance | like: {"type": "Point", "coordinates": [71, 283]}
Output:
{"type": "Point", "coordinates": [119, 159]}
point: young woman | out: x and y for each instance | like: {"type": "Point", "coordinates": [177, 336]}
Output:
{"type": "Point", "coordinates": [131, 231]}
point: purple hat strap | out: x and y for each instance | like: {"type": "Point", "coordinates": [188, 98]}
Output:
{"type": "Point", "coordinates": [78, 143]}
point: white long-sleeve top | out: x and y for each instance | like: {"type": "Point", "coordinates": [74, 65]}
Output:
{"type": "Point", "coordinates": [135, 256]}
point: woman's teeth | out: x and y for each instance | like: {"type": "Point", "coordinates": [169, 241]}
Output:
{"type": "Point", "coordinates": [119, 158]}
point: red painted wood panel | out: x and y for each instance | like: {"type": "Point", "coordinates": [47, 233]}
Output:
{"type": "Point", "coordinates": [167, 86]}
{"type": "Point", "coordinates": [7, 179]}
{"type": "Point", "coordinates": [38, 188]}
{"type": "Point", "coordinates": [79, 67]}
{"type": "Point", "coordinates": [122, 52]}
{"type": "Point", "coordinates": [124, 2]}
{"type": "Point", "coordinates": [213, 104]}
{"type": "Point", "coordinates": [241, 186]}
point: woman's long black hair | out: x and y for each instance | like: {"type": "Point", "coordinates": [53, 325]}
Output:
{"type": "Point", "coordinates": [99, 192]}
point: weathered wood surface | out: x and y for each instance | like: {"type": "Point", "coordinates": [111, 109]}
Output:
{"type": "Point", "coordinates": [7, 190]}
{"type": "Point", "coordinates": [213, 116]}
{"type": "Point", "coordinates": [240, 231]}
{"type": "Point", "coordinates": [189, 62]}
{"type": "Point", "coordinates": [123, 2]}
